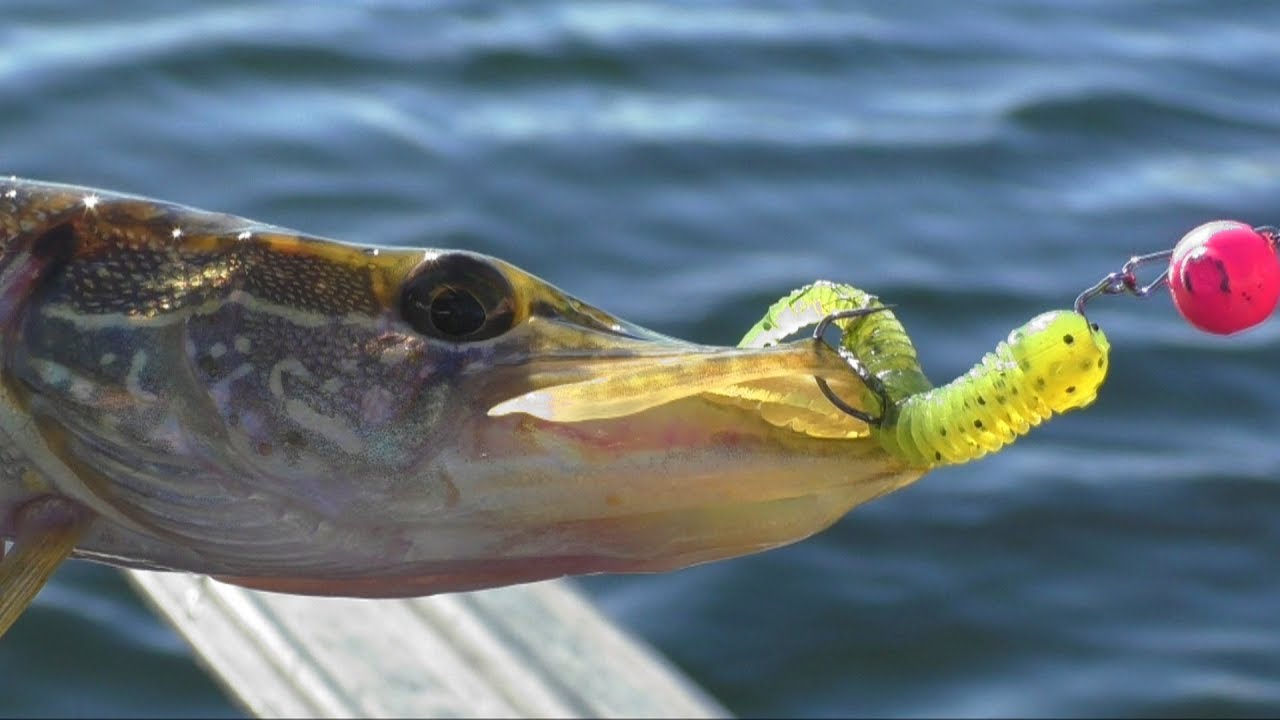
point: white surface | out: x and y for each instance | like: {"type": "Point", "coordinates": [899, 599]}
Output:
{"type": "Point", "coordinates": [537, 650]}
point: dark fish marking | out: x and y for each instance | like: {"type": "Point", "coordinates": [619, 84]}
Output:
{"type": "Point", "coordinates": [57, 244]}
{"type": "Point", "coordinates": [25, 277]}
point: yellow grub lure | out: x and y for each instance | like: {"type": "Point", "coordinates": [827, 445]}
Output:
{"type": "Point", "coordinates": [1054, 363]}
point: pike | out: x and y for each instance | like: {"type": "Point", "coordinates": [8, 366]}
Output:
{"type": "Point", "coordinates": [190, 391]}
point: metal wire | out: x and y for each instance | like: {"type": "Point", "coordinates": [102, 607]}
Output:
{"type": "Point", "coordinates": [1126, 280]}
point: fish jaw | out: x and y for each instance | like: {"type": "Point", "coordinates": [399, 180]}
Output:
{"type": "Point", "coordinates": [671, 487]}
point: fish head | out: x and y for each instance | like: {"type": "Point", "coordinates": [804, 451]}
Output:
{"type": "Point", "coordinates": [302, 415]}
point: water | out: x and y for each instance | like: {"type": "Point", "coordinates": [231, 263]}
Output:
{"type": "Point", "coordinates": [684, 164]}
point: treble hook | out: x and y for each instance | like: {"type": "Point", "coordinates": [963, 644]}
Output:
{"type": "Point", "coordinates": [868, 378]}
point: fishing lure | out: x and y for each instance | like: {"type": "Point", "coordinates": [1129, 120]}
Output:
{"type": "Point", "coordinates": [1223, 276]}
{"type": "Point", "coordinates": [1054, 363]}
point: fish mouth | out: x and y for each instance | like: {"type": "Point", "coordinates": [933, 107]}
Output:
{"type": "Point", "coordinates": [629, 372]}
{"type": "Point", "coordinates": [586, 365]}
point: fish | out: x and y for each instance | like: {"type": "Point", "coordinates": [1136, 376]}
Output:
{"type": "Point", "coordinates": [192, 391]}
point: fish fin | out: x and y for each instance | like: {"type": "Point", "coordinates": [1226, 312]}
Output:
{"type": "Point", "coordinates": [46, 536]}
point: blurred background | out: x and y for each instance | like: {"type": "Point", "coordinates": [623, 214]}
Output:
{"type": "Point", "coordinates": [684, 164]}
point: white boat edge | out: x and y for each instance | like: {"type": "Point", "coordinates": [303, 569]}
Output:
{"type": "Point", "coordinates": [535, 650]}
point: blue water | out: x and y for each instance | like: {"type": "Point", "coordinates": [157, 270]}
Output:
{"type": "Point", "coordinates": [683, 164]}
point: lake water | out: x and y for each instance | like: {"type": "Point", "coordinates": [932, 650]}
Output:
{"type": "Point", "coordinates": [683, 164]}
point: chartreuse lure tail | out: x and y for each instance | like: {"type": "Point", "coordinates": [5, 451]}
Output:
{"type": "Point", "coordinates": [1054, 363]}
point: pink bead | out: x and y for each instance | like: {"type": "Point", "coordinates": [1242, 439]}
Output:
{"type": "Point", "coordinates": [1225, 277]}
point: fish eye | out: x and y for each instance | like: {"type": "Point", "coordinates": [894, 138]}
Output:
{"type": "Point", "coordinates": [458, 297]}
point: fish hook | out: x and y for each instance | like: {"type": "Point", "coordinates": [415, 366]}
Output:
{"type": "Point", "coordinates": [872, 382]}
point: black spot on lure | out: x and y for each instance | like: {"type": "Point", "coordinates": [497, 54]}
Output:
{"type": "Point", "coordinates": [1054, 363]}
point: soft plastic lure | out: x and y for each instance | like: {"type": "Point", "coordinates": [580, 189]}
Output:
{"type": "Point", "coordinates": [1054, 363]}
{"type": "Point", "coordinates": [1223, 276]}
